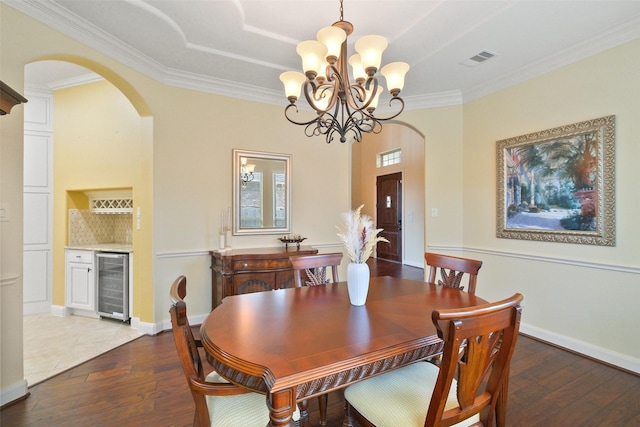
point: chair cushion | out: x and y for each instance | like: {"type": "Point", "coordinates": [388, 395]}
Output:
{"type": "Point", "coordinates": [400, 397]}
{"type": "Point", "coordinates": [248, 409]}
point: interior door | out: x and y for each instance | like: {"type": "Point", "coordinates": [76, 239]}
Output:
{"type": "Point", "coordinates": [389, 215]}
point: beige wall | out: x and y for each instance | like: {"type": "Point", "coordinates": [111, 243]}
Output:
{"type": "Point", "coordinates": [193, 168]}
{"type": "Point", "coordinates": [186, 144]}
{"type": "Point", "coordinates": [11, 154]}
{"type": "Point", "coordinates": [443, 172]}
{"type": "Point", "coordinates": [585, 297]}
{"type": "Point", "coordinates": [365, 171]}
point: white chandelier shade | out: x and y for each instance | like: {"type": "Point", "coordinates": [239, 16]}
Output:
{"type": "Point", "coordinates": [370, 49]}
{"type": "Point", "coordinates": [341, 106]}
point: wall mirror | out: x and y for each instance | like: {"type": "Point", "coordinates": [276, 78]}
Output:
{"type": "Point", "coordinates": [261, 193]}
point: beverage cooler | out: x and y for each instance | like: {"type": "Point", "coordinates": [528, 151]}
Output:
{"type": "Point", "coordinates": [113, 285]}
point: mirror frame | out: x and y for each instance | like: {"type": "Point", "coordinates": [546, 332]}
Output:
{"type": "Point", "coordinates": [286, 158]}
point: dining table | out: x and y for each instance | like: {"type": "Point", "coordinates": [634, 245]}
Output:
{"type": "Point", "coordinates": [297, 343]}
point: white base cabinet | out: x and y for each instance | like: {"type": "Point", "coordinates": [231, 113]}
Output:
{"type": "Point", "coordinates": [80, 280]}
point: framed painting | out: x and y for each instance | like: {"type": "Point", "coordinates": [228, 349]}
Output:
{"type": "Point", "coordinates": [558, 185]}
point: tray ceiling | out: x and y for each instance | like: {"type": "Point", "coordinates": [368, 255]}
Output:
{"type": "Point", "coordinates": [239, 48]}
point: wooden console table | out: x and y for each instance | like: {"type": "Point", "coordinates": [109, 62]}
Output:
{"type": "Point", "coordinates": [241, 271]}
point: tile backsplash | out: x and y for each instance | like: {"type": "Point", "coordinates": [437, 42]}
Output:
{"type": "Point", "coordinates": [87, 228]}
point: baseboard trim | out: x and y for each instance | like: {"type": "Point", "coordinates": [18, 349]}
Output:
{"type": "Point", "coordinates": [60, 310]}
{"type": "Point", "coordinates": [601, 354]}
{"type": "Point", "coordinates": [413, 264]}
{"type": "Point", "coordinates": [13, 392]}
{"type": "Point", "coordinates": [145, 327]}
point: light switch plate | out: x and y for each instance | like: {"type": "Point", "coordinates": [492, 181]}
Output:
{"type": "Point", "coordinates": [4, 212]}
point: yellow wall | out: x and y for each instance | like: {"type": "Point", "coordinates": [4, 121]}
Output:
{"type": "Point", "coordinates": [581, 296]}
{"type": "Point", "coordinates": [98, 145]}
{"type": "Point", "coordinates": [193, 172]}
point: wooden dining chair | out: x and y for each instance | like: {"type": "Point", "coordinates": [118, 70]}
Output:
{"type": "Point", "coordinates": [452, 270]}
{"type": "Point", "coordinates": [311, 270]}
{"type": "Point", "coordinates": [471, 384]}
{"type": "Point", "coordinates": [218, 402]}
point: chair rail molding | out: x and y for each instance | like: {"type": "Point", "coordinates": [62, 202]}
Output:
{"type": "Point", "coordinates": [8, 280]}
{"type": "Point", "coordinates": [198, 253]}
{"type": "Point", "coordinates": [553, 260]}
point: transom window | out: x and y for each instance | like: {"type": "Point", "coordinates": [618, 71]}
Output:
{"type": "Point", "coordinates": [390, 158]}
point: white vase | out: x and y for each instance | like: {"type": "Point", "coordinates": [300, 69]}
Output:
{"type": "Point", "coordinates": [358, 283]}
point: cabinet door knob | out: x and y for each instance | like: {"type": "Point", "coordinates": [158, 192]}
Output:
{"type": "Point", "coordinates": [245, 265]}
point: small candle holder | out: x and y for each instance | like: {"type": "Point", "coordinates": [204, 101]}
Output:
{"type": "Point", "coordinates": [228, 238]}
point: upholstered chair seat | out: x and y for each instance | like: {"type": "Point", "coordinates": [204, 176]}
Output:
{"type": "Point", "coordinates": [248, 409]}
{"type": "Point", "coordinates": [400, 397]}
{"type": "Point", "coordinates": [469, 388]}
{"type": "Point", "coordinates": [218, 403]}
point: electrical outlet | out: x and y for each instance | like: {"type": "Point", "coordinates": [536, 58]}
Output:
{"type": "Point", "coordinates": [434, 212]}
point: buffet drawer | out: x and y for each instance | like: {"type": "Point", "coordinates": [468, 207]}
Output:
{"type": "Point", "coordinates": [261, 264]}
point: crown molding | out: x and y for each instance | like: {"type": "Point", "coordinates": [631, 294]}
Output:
{"type": "Point", "coordinates": [76, 81]}
{"type": "Point", "coordinates": [223, 87]}
{"type": "Point", "coordinates": [70, 24]}
{"type": "Point", "coordinates": [624, 33]}
{"type": "Point", "coordinates": [433, 100]}
{"type": "Point", "coordinates": [60, 19]}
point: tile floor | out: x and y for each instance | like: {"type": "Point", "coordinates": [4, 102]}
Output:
{"type": "Point", "coordinates": [70, 340]}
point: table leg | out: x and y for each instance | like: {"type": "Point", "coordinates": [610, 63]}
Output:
{"type": "Point", "coordinates": [281, 405]}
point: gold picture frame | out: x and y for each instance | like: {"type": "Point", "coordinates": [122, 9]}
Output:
{"type": "Point", "coordinates": [558, 185]}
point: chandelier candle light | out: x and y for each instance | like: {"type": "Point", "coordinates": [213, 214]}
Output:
{"type": "Point", "coordinates": [246, 171]}
{"type": "Point", "coordinates": [342, 106]}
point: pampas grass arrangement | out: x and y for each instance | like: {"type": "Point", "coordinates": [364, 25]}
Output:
{"type": "Point", "coordinates": [358, 235]}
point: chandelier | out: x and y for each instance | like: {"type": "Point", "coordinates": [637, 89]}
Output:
{"type": "Point", "coordinates": [341, 106]}
{"type": "Point", "coordinates": [246, 171]}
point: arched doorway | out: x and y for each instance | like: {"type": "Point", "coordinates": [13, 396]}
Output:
{"type": "Point", "coordinates": [80, 124]}
{"type": "Point", "coordinates": [366, 167]}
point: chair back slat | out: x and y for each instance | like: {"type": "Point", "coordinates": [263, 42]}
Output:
{"type": "Point", "coordinates": [314, 268]}
{"type": "Point", "coordinates": [452, 270]}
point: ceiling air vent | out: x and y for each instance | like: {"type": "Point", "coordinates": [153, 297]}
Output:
{"type": "Point", "coordinates": [478, 59]}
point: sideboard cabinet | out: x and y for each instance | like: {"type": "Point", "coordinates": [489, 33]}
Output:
{"type": "Point", "coordinates": [241, 271]}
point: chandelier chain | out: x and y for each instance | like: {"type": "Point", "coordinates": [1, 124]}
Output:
{"type": "Point", "coordinates": [341, 11]}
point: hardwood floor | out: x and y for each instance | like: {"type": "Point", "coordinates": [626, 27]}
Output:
{"type": "Point", "coordinates": [141, 384]}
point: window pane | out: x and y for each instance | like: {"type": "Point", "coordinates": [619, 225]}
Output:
{"type": "Point", "coordinates": [390, 158]}
{"type": "Point", "coordinates": [251, 195]}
